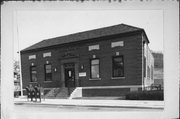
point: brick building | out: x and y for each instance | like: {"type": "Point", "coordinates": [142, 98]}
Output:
{"type": "Point", "coordinates": [103, 61]}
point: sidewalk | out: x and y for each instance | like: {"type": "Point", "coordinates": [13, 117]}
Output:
{"type": "Point", "coordinates": [96, 103]}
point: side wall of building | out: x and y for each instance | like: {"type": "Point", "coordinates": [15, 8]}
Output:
{"type": "Point", "coordinates": [131, 51]}
{"type": "Point", "coordinates": [149, 66]}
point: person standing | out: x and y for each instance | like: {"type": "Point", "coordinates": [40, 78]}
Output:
{"type": "Point", "coordinates": [28, 93]}
{"type": "Point", "coordinates": [42, 91]}
{"type": "Point", "coordinates": [37, 92]}
{"type": "Point", "coordinates": [32, 92]}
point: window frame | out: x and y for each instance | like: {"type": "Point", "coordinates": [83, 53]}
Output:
{"type": "Point", "coordinates": [94, 78]}
{"type": "Point", "coordinates": [152, 72]}
{"type": "Point", "coordinates": [148, 72]}
{"type": "Point", "coordinates": [144, 63]}
{"type": "Point", "coordinates": [47, 54]}
{"type": "Point", "coordinates": [32, 73]}
{"type": "Point", "coordinates": [31, 57]}
{"type": "Point", "coordinates": [45, 73]}
{"type": "Point", "coordinates": [117, 44]}
{"type": "Point", "coordinates": [116, 77]}
{"type": "Point", "coordinates": [91, 49]}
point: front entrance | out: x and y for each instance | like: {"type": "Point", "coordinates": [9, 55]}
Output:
{"type": "Point", "coordinates": [69, 73]}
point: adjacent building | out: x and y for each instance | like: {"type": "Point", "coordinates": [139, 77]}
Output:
{"type": "Point", "coordinates": [104, 61]}
{"type": "Point", "coordinates": [158, 68]}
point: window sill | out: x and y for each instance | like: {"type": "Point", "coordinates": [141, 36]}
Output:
{"type": "Point", "coordinates": [47, 81]}
{"type": "Point", "coordinates": [33, 82]}
{"type": "Point", "coordinates": [95, 79]}
{"type": "Point", "coordinates": [117, 78]}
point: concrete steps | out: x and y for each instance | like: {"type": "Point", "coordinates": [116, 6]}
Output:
{"type": "Point", "coordinates": [64, 93]}
{"type": "Point", "coordinates": [52, 93]}
{"type": "Point", "coordinates": [59, 93]}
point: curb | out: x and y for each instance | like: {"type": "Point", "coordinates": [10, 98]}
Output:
{"type": "Point", "coordinates": [107, 106]}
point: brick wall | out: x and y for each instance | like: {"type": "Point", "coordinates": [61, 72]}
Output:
{"type": "Point", "coordinates": [132, 52]}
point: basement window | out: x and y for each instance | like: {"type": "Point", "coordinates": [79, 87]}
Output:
{"type": "Point", "coordinates": [94, 47]}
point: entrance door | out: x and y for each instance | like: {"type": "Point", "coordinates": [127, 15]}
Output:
{"type": "Point", "coordinates": [69, 73]}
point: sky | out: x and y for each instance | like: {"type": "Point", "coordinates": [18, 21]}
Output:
{"type": "Point", "coordinates": [32, 26]}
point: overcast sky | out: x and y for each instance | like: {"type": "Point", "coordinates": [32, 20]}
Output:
{"type": "Point", "coordinates": [33, 26]}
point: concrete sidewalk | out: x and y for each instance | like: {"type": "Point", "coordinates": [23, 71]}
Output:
{"type": "Point", "coordinates": [97, 103]}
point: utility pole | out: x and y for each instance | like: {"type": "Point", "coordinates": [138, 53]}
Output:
{"type": "Point", "coordinates": [19, 53]}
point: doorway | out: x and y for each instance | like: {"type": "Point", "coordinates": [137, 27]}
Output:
{"type": "Point", "coordinates": [69, 73]}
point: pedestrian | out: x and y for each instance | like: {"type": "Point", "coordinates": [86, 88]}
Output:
{"type": "Point", "coordinates": [32, 92]}
{"type": "Point", "coordinates": [37, 92]}
{"type": "Point", "coordinates": [28, 93]}
{"type": "Point", "coordinates": [42, 91]}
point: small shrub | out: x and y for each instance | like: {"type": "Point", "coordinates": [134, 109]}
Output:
{"type": "Point", "coordinates": [145, 95]}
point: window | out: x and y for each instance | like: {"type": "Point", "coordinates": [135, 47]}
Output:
{"type": "Point", "coordinates": [48, 72]}
{"type": "Point", "coordinates": [93, 47]}
{"type": "Point", "coordinates": [117, 44]}
{"type": "Point", "coordinates": [33, 74]}
{"type": "Point", "coordinates": [152, 72]}
{"type": "Point", "coordinates": [144, 66]}
{"type": "Point", "coordinates": [32, 57]}
{"type": "Point", "coordinates": [95, 68]}
{"type": "Point", "coordinates": [118, 67]}
{"type": "Point", "coordinates": [48, 54]}
{"type": "Point", "coordinates": [148, 72]}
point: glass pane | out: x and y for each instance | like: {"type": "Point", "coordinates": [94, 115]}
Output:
{"type": "Point", "coordinates": [48, 66]}
{"type": "Point", "coordinates": [95, 71]}
{"type": "Point", "coordinates": [118, 59]}
{"type": "Point", "coordinates": [33, 68]}
{"type": "Point", "coordinates": [148, 72]}
{"type": "Point", "coordinates": [95, 61]}
{"type": "Point", "coordinates": [34, 78]}
{"type": "Point", "coordinates": [48, 72]}
{"type": "Point", "coordinates": [48, 76]}
{"type": "Point", "coordinates": [118, 43]}
{"type": "Point", "coordinates": [118, 72]}
{"type": "Point", "coordinates": [93, 47]}
{"type": "Point", "coordinates": [118, 67]}
{"type": "Point", "coordinates": [33, 74]}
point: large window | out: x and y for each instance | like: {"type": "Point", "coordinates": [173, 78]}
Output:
{"type": "Point", "coordinates": [48, 72]}
{"type": "Point", "coordinates": [95, 68]}
{"type": "Point", "coordinates": [118, 67]}
{"type": "Point", "coordinates": [33, 74]}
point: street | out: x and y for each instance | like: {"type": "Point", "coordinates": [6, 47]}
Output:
{"type": "Point", "coordinates": [27, 111]}
{"type": "Point", "coordinates": [72, 108]}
